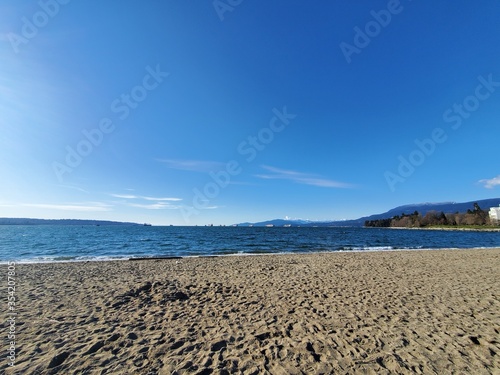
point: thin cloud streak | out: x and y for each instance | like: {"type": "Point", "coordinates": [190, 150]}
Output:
{"type": "Point", "coordinates": [89, 207]}
{"type": "Point", "coordinates": [124, 196]}
{"type": "Point", "coordinates": [301, 178]}
{"type": "Point", "coordinates": [139, 201]}
{"type": "Point", "coordinates": [155, 206]}
{"type": "Point", "coordinates": [491, 183]}
{"type": "Point", "coordinates": [160, 199]}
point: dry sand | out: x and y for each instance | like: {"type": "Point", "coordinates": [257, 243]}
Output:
{"type": "Point", "coordinates": [430, 312]}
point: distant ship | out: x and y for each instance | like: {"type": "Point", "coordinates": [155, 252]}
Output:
{"type": "Point", "coordinates": [269, 225]}
{"type": "Point", "coordinates": [147, 225]}
{"type": "Point", "coordinates": [287, 225]}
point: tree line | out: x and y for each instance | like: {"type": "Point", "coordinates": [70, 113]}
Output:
{"type": "Point", "coordinates": [476, 217]}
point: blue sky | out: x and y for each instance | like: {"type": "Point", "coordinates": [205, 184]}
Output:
{"type": "Point", "coordinates": [189, 112]}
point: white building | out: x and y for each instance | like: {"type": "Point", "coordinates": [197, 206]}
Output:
{"type": "Point", "coordinates": [495, 215]}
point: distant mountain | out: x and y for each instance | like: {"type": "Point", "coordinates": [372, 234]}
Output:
{"type": "Point", "coordinates": [23, 221]}
{"type": "Point", "coordinates": [422, 208]}
{"type": "Point", "coordinates": [279, 223]}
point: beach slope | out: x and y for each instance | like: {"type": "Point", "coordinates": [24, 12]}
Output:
{"type": "Point", "coordinates": [423, 312]}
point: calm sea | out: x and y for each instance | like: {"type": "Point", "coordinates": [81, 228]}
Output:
{"type": "Point", "coordinates": [80, 243]}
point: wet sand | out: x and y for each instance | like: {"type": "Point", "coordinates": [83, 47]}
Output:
{"type": "Point", "coordinates": [423, 312]}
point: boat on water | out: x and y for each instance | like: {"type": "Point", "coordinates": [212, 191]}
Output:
{"type": "Point", "coordinates": [147, 225]}
{"type": "Point", "coordinates": [269, 225]}
{"type": "Point", "coordinates": [287, 225]}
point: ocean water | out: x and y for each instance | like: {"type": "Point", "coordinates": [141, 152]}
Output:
{"type": "Point", "coordinates": [52, 243]}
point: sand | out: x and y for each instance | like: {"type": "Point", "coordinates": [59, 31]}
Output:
{"type": "Point", "coordinates": [423, 312]}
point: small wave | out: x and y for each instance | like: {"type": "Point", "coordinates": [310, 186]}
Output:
{"type": "Point", "coordinates": [366, 248]}
{"type": "Point", "coordinates": [66, 259]}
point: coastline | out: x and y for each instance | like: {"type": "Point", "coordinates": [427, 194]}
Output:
{"type": "Point", "coordinates": [460, 229]}
{"type": "Point", "coordinates": [102, 259]}
{"type": "Point", "coordinates": [376, 311]}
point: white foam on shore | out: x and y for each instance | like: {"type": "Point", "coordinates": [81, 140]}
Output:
{"type": "Point", "coordinates": [66, 260]}
{"type": "Point", "coordinates": [50, 260]}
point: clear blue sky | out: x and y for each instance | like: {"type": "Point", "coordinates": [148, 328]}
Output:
{"type": "Point", "coordinates": [195, 112]}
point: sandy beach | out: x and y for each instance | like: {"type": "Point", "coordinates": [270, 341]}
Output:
{"type": "Point", "coordinates": [423, 312]}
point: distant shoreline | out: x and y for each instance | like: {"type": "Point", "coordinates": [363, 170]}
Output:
{"type": "Point", "coordinates": [67, 222]}
{"type": "Point", "coordinates": [460, 229]}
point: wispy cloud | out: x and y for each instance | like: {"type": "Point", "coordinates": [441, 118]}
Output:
{"type": "Point", "coordinates": [301, 178]}
{"type": "Point", "coordinates": [155, 206]}
{"type": "Point", "coordinates": [159, 199]}
{"type": "Point", "coordinates": [491, 183]}
{"type": "Point", "coordinates": [124, 196]}
{"type": "Point", "coordinates": [193, 165]}
{"type": "Point", "coordinates": [148, 203]}
{"type": "Point", "coordinates": [162, 199]}
{"type": "Point", "coordinates": [79, 207]}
